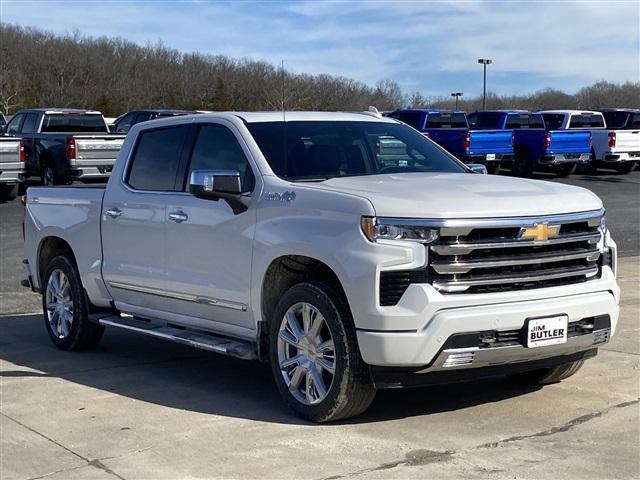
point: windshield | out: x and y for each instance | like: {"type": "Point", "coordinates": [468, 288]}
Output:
{"type": "Point", "coordinates": [315, 151]}
{"type": "Point", "coordinates": [76, 123]}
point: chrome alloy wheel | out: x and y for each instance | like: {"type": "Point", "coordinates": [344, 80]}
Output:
{"type": "Point", "coordinates": [48, 176]}
{"type": "Point", "coordinates": [59, 304]}
{"type": "Point", "coordinates": [306, 353]}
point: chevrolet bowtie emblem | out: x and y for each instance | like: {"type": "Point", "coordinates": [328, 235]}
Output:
{"type": "Point", "coordinates": [539, 232]}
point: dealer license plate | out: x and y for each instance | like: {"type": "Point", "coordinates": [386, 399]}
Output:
{"type": "Point", "coordinates": [542, 332]}
{"type": "Point", "coordinates": [491, 156]}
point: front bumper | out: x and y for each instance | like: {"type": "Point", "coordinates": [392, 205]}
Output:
{"type": "Point", "coordinates": [425, 349]}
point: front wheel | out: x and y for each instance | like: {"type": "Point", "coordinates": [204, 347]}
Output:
{"type": "Point", "coordinates": [314, 355]}
{"type": "Point", "coordinates": [566, 169]}
{"type": "Point", "coordinates": [546, 376]}
{"type": "Point", "coordinates": [66, 309]}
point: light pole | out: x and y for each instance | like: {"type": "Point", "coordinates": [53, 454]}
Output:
{"type": "Point", "coordinates": [456, 94]}
{"type": "Point", "coordinates": [484, 62]}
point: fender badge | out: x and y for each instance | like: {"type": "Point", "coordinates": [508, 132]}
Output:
{"type": "Point", "coordinates": [281, 197]}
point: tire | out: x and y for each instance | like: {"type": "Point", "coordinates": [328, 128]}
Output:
{"type": "Point", "coordinates": [493, 168]}
{"type": "Point", "coordinates": [66, 314]}
{"type": "Point", "coordinates": [624, 168]}
{"type": "Point", "coordinates": [49, 175]}
{"type": "Point", "coordinates": [547, 376]}
{"type": "Point", "coordinates": [8, 192]}
{"type": "Point", "coordinates": [521, 165]}
{"type": "Point", "coordinates": [350, 390]}
{"type": "Point", "coordinates": [565, 170]}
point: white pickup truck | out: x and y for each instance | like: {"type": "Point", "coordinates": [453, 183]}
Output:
{"type": "Point", "coordinates": [292, 241]}
{"type": "Point", "coordinates": [611, 147]}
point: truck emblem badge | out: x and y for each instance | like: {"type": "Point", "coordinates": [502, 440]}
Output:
{"type": "Point", "coordinates": [281, 197]}
{"type": "Point", "coordinates": [539, 232]}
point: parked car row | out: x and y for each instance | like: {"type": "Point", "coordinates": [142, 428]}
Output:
{"type": "Point", "coordinates": [556, 140]}
{"type": "Point", "coordinates": [61, 145]}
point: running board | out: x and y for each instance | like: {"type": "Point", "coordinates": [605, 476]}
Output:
{"type": "Point", "coordinates": [213, 343]}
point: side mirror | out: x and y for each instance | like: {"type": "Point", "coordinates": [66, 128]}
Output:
{"type": "Point", "coordinates": [477, 168]}
{"type": "Point", "coordinates": [215, 183]}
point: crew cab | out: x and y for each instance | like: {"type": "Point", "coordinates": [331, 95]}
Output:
{"type": "Point", "coordinates": [535, 148]}
{"type": "Point", "coordinates": [616, 137]}
{"type": "Point", "coordinates": [124, 122]}
{"type": "Point", "coordinates": [62, 145]}
{"type": "Point", "coordinates": [284, 237]}
{"type": "Point", "coordinates": [490, 147]}
{"type": "Point", "coordinates": [11, 168]}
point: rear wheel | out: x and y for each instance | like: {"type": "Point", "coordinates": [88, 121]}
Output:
{"type": "Point", "coordinates": [625, 167]}
{"type": "Point", "coordinates": [314, 355]}
{"type": "Point", "coordinates": [546, 376]}
{"type": "Point", "coordinates": [521, 165]}
{"type": "Point", "coordinates": [66, 309]}
{"type": "Point", "coordinates": [565, 170]}
{"type": "Point", "coordinates": [8, 192]}
{"type": "Point", "coordinates": [493, 168]}
{"type": "Point", "coordinates": [49, 175]}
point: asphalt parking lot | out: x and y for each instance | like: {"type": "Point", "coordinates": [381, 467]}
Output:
{"type": "Point", "coordinates": [142, 408]}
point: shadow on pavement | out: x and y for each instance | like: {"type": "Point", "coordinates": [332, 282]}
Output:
{"type": "Point", "coordinates": [166, 374]}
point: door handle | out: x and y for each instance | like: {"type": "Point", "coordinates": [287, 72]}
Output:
{"type": "Point", "coordinates": [113, 212]}
{"type": "Point", "coordinates": [178, 216]}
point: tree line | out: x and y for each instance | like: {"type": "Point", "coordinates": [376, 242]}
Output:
{"type": "Point", "coordinates": [114, 75]}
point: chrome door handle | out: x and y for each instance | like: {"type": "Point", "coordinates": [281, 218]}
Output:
{"type": "Point", "coordinates": [178, 217]}
{"type": "Point", "coordinates": [113, 212]}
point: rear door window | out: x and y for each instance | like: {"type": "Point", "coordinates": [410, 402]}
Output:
{"type": "Point", "coordinates": [30, 123]}
{"type": "Point", "coordinates": [13, 128]}
{"type": "Point", "coordinates": [156, 159]}
{"type": "Point", "coordinates": [446, 120]}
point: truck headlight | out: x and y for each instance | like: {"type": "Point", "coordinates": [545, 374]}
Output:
{"type": "Point", "coordinates": [376, 229]}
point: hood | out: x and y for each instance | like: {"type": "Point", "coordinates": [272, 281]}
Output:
{"type": "Point", "coordinates": [463, 195]}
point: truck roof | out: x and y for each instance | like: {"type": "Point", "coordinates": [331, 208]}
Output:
{"type": "Point", "coordinates": [254, 117]}
{"type": "Point", "coordinates": [562, 112]}
{"type": "Point", "coordinates": [627, 110]}
{"type": "Point", "coordinates": [53, 110]}
{"type": "Point", "coordinates": [503, 111]}
{"type": "Point", "coordinates": [428, 110]}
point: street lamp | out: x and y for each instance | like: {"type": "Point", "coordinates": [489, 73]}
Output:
{"type": "Point", "coordinates": [456, 94]}
{"type": "Point", "coordinates": [484, 62]}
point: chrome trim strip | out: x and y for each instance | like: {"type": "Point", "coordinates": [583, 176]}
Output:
{"type": "Point", "coordinates": [497, 280]}
{"type": "Point", "coordinates": [493, 222]}
{"type": "Point", "coordinates": [460, 248]}
{"type": "Point", "coordinates": [530, 259]}
{"type": "Point", "coordinates": [215, 302]}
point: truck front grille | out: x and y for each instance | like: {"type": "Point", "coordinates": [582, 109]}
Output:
{"type": "Point", "coordinates": [485, 259]}
{"type": "Point", "coordinates": [485, 256]}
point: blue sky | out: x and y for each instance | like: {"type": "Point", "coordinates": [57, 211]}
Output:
{"type": "Point", "coordinates": [428, 46]}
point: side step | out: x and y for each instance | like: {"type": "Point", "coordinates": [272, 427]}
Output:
{"type": "Point", "coordinates": [213, 343]}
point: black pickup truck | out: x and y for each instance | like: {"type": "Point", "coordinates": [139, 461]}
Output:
{"type": "Point", "coordinates": [61, 145]}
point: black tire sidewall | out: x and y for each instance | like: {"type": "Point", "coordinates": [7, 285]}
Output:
{"type": "Point", "coordinates": [321, 299]}
{"type": "Point", "coordinates": [80, 310]}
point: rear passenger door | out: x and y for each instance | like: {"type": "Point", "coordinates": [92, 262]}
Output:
{"type": "Point", "coordinates": [133, 222]}
{"type": "Point", "coordinates": [209, 242]}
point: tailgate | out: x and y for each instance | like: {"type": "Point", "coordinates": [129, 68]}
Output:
{"type": "Point", "coordinates": [9, 151]}
{"type": "Point", "coordinates": [98, 147]}
{"type": "Point", "coordinates": [627, 141]}
{"type": "Point", "coordinates": [570, 141]}
{"type": "Point", "coordinates": [490, 141]}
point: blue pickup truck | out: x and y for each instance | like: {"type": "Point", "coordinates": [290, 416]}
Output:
{"type": "Point", "coordinates": [450, 129]}
{"type": "Point", "coordinates": [537, 144]}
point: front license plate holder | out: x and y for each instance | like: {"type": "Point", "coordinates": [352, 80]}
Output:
{"type": "Point", "coordinates": [546, 331]}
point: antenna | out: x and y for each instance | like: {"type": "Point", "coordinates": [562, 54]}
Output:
{"type": "Point", "coordinates": [282, 80]}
